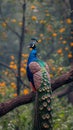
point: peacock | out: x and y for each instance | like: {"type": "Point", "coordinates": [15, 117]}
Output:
{"type": "Point", "coordinates": [39, 78]}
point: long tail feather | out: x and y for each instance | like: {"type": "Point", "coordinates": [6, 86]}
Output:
{"type": "Point", "coordinates": [43, 111]}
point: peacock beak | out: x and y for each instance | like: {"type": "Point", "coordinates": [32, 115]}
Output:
{"type": "Point", "coordinates": [30, 49]}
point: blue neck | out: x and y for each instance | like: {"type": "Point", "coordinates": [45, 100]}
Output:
{"type": "Point", "coordinates": [32, 56]}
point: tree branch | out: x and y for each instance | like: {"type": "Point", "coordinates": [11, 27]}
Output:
{"type": "Point", "coordinates": [13, 103]}
{"type": "Point", "coordinates": [63, 92]}
{"type": "Point", "coordinates": [5, 65]}
{"type": "Point", "coordinates": [62, 80]}
{"type": "Point", "coordinates": [20, 100]}
{"type": "Point", "coordinates": [22, 39]}
{"type": "Point", "coordinates": [21, 81]}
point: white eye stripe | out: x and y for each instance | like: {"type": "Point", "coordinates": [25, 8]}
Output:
{"type": "Point", "coordinates": [33, 45]}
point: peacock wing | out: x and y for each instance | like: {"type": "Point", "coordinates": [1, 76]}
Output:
{"type": "Point", "coordinates": [37, 75]}
{"type": "Point", "coordinates": [47, 71]}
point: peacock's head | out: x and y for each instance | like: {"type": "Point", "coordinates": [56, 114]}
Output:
{"type": "Point", "coordinates": [32, 44]}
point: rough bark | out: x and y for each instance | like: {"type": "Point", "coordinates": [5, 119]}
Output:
{"type": "Point", "coordinates": [63, 92]}
{"type": "Point", "coordinates": [15, 102]}
{"type": "Point", "coordinates": [64, 79]}
{"type": "Point", "coordinates": [71, 32]}
{"type": "Point", "coordinates": [20, 100]}
{"type": "Point", "coordinates": [21, 49]}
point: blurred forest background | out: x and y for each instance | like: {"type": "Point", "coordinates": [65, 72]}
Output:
{"type": "Point", "coordinates": [51, 21]}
